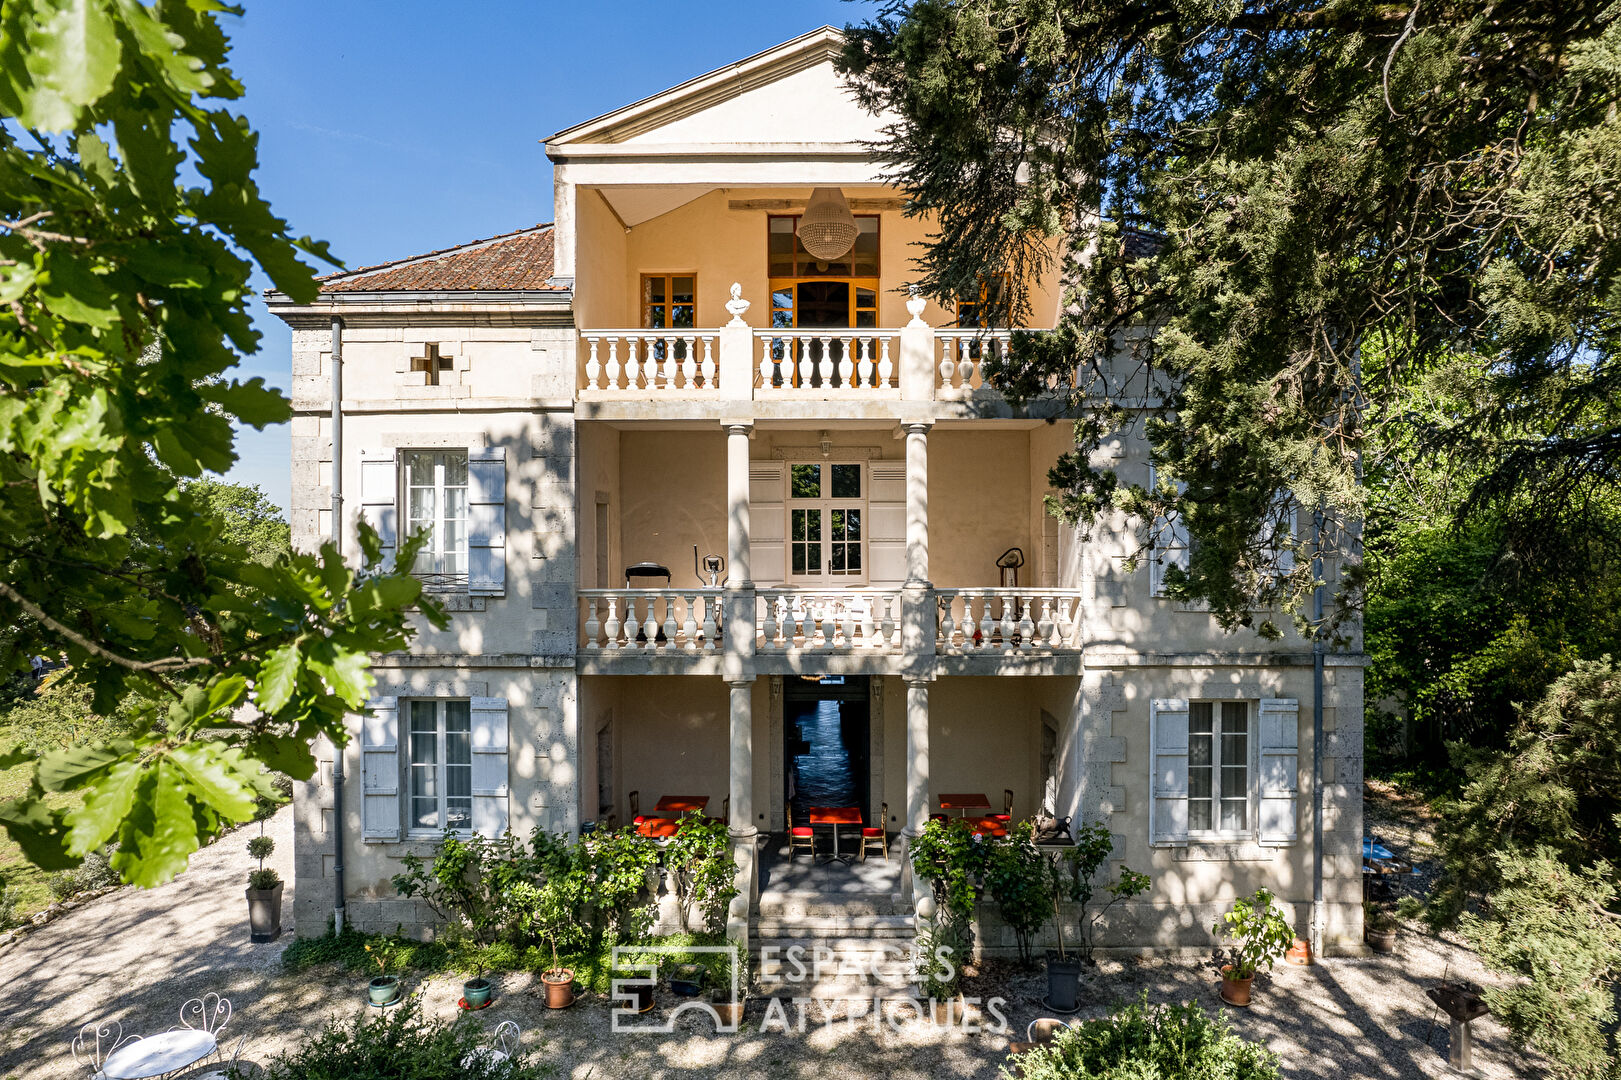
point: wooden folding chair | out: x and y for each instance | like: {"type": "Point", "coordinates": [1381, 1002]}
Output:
{"type": "Point", "coordinates": [879, 835]}
{"type": "Point", "coordinates": [1007, 807]}
{"type": "Point", "coordinates": [636, 817]}
{"type": "Point", "coordinates": [801, 836]}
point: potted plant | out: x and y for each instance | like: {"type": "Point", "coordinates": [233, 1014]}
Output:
{"type": "Point", "coordinates": [385, 988]}
{"type": "Point", "coordinates": [264, 893]}
{"type": "Point", "coordinates": [1092, 848]}
{"type": "Point", "coordinates": [938, 972]}
{"type": "Point", "coordinates": [728, 999]}
{"type": "Point", "coordinates": [1378, 928]}
{"type": "Point", "coordinates": [635, 985]}
{"type": "Point", "coordinates": [687, 980]}
{"type": "Point", "coordinates": [477, 990]}
{"type": "Point", "coordinates": [1261, 935]}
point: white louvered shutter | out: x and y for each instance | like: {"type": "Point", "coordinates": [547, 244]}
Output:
{"type": "Point", "coordinates": [768, 522]}
{"type": "Point", "coordinates": [487, 521]}
{"type": "Point", "coordinates": [886, 524]}
{"type": "Point", "coordinates": [1280, 770]}
{"type": "Point", "coordinates": [1171, 543]}
{"type": "Point", "coordinates": [379, 496]}
{"type": "Point", "coordinates": [380, 770]}
{"type": "Point", "coordinates": [1168, 757]}
{"type": "Point", "coordinates": [489, 766]}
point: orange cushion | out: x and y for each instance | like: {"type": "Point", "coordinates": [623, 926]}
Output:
{"type": "Point", "coordinates": [1001, 817]}
{"type": "Point", "coordinates": [800, 830]}
{"type": "Point", "coordinates": [641, 818]}
{"type": "Point", "coordinates": [872, 832]}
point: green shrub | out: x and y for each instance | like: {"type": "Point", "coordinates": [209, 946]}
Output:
{"type": "Point", "coordinates": [95, 872]}
{"type": "Point", "coordinates": [949, 856]}
{"type": "Point", "coordinates": [399, 1045]}
{"type": "Point", "coordinates": [1093, 846]}
{"type": "Point", "coordinates": [1260, 933]}
{"type": "Point", "coordinates": [1169, 1042]}
{"type": "Point", "coordinates": [8, 908]}
{"type": "Point", "coordinates": [1017, 875]}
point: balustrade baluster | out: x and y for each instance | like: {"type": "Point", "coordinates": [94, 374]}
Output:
{"type": "Point", "coordinates": [708, 369]}
{"type": "Point", "coordinates": [633, 625]}
{"type": "Point", "coordinates": [593, 367]}
{"type": "Point", "coordinates": [1044, 628]}
{"type": "Point", "coordinates": [849, 622]}
{"type": "Point", "coordinates": [1006, 625]}
{"type": "Point", "coordinates": [593, 626]}
{"type": "Point", "coordinates": [1066, 622]}
{"type": "Point", "coordinates": [987, 625]}
{"type": "Point", "coordinates": [710, 615]}
{"type": "Point", "coordinates": [689, 625]}
{"type": "Point", "coordinates": [613, 362]}
{"type": "Point", "coordinates": [612, 626]}
{"type": "Point", "coordinates": [869, 635]}
{"type": "Point", "coordinates": [768, 625]}
{"type": "Point", "coordinates": [864, 371]}
{"type": "Point", "coordinates": [948, 625]}
{"type": "Point", "coordinates": [1027, 628]}
{"type": "Point", "coordinates": [670, 625]}
{"type": "Point", "coordinates": [886, 366]}
{"type": "Point", "coordinates": [846, 366]}
{"type": "Point", "coordinates": [948, 366]}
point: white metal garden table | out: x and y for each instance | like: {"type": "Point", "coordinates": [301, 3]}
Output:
{"type": "Point", "coordinates": [158, 1055]}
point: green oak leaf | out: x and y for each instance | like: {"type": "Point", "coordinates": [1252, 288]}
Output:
{"type": "Point", "coordinates": [218, 777]}
{"type": "Point", "coordinates": [105, 805]}
{"type": "Point", "coordinates": [278, 676]}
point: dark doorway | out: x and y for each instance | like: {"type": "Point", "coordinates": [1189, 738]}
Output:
{"type": "Point", "coordinates": [824, 303]}
{"type": "Point", "coordinates": [827, 729]}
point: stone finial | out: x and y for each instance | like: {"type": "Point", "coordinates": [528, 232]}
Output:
{"type": "Point", "coordinates": [737, 305]}
{"type": "Point", "coordinates": [915, 306]}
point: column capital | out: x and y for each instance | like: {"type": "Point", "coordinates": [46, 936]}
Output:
{"type": "Point", "coordinates": [917, 682]}
{"type": "Point", "coordinates": [916, 427]}
{"type": "Point", "coordinates": [738, 427]}
{"type": "Point", "coordinates": [741, 683]}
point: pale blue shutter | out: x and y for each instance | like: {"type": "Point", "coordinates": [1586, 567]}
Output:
{"type": "Point", "coordinates": [379, 493]}
{"type": "Point", "coordinates": [1168, 762]}
{"type": "Point", "coordinates": [489, 766]}
{"type": "Point", "coordinates": [487, 521]}
{"type": "Point", "coordinates": [380, 770]}
{"type": "Point", "coordinates": [1280, 770]}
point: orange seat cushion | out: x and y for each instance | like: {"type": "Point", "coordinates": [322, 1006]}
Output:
{"type": "Point", "coordinates": [800, 831]}
{"type": "Point", "coordinates": [1002, 817]}
{"type": "Point", "coordinates": [872, 832]}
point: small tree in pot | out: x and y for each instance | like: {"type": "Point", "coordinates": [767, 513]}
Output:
{"type": "Point", "coordinates": [1078, 882]}
{"type": "Point", "coordinates": [1261, 935]}
{"type": "Point", "coordinates": [264, 893]}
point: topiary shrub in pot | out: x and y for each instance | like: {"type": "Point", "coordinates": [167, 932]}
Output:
{"type": "Point", "coordinates": [1261, 935]}
{"type": "Point", "coordinates": [264, 893]}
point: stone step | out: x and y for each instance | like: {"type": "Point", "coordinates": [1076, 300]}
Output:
{"type": "Point", "coordinates": [799, 905]}
{"type": "Point", "coordinates": [839, 926]}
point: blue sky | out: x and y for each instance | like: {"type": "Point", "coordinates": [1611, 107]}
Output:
{"type": "Point", "coordinates": [394, 128]}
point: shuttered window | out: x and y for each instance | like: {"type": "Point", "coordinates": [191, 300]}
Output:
{"type": "Point", "coordinates": [1218, 767]}
{"type": "Point", "coordinates": [441, 766]}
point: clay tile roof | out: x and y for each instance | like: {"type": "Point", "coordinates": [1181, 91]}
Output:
{"type": "Point", "coordinates": [514, 260]}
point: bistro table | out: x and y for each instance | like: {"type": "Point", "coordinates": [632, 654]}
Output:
{"type": "Point", "coordinates": [835, 816]}
{"type": "Point", "coordinates": [964, 803]}
{"type": "Point", "coordinates": [156, 1055]}
{"type": "Point", "coordinates": [681, 804]}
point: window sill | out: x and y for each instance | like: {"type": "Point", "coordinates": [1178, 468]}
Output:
{"type": "Point", "coordinates": [1223, 849]}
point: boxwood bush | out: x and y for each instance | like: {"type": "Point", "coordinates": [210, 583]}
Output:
{"type": "Point", "coordinates": [1139, 1042]}
{"type": "Point", "coordinates": [400, 1045]}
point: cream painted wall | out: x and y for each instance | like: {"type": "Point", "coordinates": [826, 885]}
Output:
{"type": "Point", "coordinates": [674, 496]}
{"type": "Point", "coordinates": [598, 473]}
{"type": "Point", "coordinates": [979, 504]}
{"type": "Point", "coordinates": [673, 738]}
{"type": "Point", "coordinates": [721, 245]}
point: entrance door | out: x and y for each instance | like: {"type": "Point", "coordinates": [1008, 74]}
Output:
{"type": "Point", "coordinates": [826, 731]}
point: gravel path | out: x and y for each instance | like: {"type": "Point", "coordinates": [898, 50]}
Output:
{"type": "Point", "coordinates": [136, 956]}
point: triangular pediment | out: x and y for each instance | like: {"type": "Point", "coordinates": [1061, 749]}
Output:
{"type": "Point", "coordinates": [789, 94]}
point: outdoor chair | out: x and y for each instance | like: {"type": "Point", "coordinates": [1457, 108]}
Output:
{"type": "Point", "coordinates": [800, 836]}
{"type": "Point", "coordinates": [725, 811]}
{"type": "Point", "coordinates": [95, 1041]}
{"type": "Point", "coordinates": [211, 1013]}
{"type": "Point", "coordinates": [879, 836]}
{"type": "Point", "coordinates": [1006, 815]}
{"type": "Point", "coordinates": [503, 1044]}
{"type": "Point", "coordinates": [226, 1070]}
{"type": "Point", "coordinates": [636, 817]}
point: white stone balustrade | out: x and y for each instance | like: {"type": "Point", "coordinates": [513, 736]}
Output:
{"type": "Point", "coordinates": [818, 620]}
{"type": "Point", "coordinates": [1008, 620]}
{"type": "Point", "coordinates": [657, 361]}
{"type": "Point", "coordinates": [962, 354]}
{"type": "Point", "coordinates": [650, 620]}
{"type": "Point", "coordinates": [832, 361]}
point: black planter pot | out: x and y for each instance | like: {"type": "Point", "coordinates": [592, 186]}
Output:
{"type": "Point", "coordinates": [1063, 983]}
{"type": "Point", "coordinates": [264, 913]}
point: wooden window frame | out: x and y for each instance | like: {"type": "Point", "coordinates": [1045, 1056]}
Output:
{"type": "Point", "coordinates": [647, 305]}
{"type": "Point", "coordinates": [1250, 764]}
{"type": "Point", "coordinates": [827, 503]}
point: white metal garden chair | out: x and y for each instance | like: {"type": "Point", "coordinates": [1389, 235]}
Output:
{"type": "Point", "coordinates": [210, 1012]}
{"type": "Point", "coordinates": [95, 1041]}
{"type": "Point", "coordinates": [503, 1044]}
{"type": "Point", "coordinates": [223, 1072]}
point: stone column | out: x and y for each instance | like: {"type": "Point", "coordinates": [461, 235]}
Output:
{"type": "Point", "coordinates": [917, 794]}
{"type": "Point", "coordinates": [917, 501]}
{"type": "Point", "coordinates": [737, 504]}
{"type": "Point", "coordinates": [741, 824]}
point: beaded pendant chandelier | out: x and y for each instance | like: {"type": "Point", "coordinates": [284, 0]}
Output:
{"type": "Point", "coordinates": [827, 228]}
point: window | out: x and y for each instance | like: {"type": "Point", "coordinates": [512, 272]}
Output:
{"type": "Point", "coordinates": [1218, 767]}
{"type": "Point", "coordinates": [436, 500]}
{"type": "Point", "coordinates": [431, 363]}
{"type": "Point", "coordinates": [787, 257]}
{"type": "Point", "coordinates": [441, 766]}
{"type": "Point", "coordinates": [669, 301]}
{"type": "Point", "coordinates": [980, 310]}
{"type": "Point", "coordinates": [826, 508]}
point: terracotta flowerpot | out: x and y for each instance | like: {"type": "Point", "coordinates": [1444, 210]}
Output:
{"type": "Point", "coordinates": [947, 1013]}
{"type": "Point", "coordinates": [730, 1012]}
{"type": "Point", "coordinates": [264, 913]}
{"type": "Point", "coordinates": [1299, 953]}
{"type": "Point", "coordinates": [559, 983]}
{"type": "Point", "coordinates": [1380, 941]}
{"type": "Point", "coordinates": [1234, 991]}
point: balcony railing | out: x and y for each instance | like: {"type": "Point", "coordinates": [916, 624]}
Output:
{"type": "Point", "coordinates": [801, 620]}
{"type": "Point", "coordinates": [849, 362]}
{"type": "Point", "coordinates": [962, 354]}
{"type": "Point", "coordinates": [1008, 620]}
{"type": "Point", "coordinates": [673, 361]}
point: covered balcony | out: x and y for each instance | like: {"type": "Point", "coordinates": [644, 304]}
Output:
{"type": "Point", "coordinates": [834, 550]}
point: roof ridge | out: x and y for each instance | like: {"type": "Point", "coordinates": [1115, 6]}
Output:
{"type": "Point", "coordinates": [424, 257]}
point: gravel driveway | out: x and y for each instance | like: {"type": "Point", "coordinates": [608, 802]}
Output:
{"type": "Point", "coordinates": [135, 956]}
